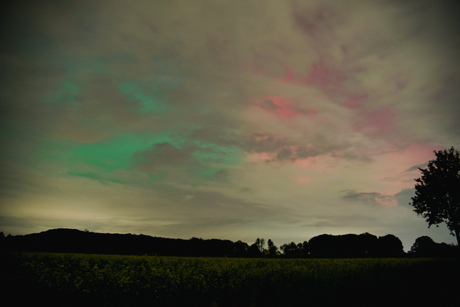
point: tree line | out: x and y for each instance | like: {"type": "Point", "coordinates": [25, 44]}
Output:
{"type": "Point", "coordinates": [322, 246]}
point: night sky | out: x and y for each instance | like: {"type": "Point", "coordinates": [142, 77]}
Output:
{"type": "Point", "coordinates": [224, 119]}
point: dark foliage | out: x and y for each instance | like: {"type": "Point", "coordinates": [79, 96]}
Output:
{"type": "Point", "coordinates": [293, 250]}
{"type": "Point", "coordinates": [437, 191]}
{"type": "Point", "coordinates": [272, 249]}
{"type": "Point", "coordinates": [425, 247]}
{"type": "Point", "coordinates": [49, 279]}
{"type": "Point", "coordinates": [351, 246]}
{"type": "Point", "coordinates": [76, 241]}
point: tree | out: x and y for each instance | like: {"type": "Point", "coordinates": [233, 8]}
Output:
{"type": "Point", "coordinates": [292, 250]}
{"type": "Point", "coordinates": [303, 249]}
{"type": "Point", "coordinates": [240, 248]}
{"type": "Point", "coordinates": [272, 249]}
{"type": "Point", "coordinates": [423, 246]}
{"type": "Point", "coordinates": [253, 251]}
{"type": "Point", "coordinates": [260, 244]}
{"type": "Point", "coordinates": [390, 246]}
{"type": "Point", "coordinates": [437, 191]}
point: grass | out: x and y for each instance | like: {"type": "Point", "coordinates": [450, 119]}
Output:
{"type": "Point", "coordinates": [108, 280]}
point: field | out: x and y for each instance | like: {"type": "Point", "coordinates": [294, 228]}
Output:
{"type": "Point", "coordinates": [107, 280]}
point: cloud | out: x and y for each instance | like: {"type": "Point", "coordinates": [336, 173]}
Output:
{"type": "Point", "coordinates": [404, 197]}
{"type": "Point", "coordinates": [370, 198]}
{"type": "Point", "coordinates": [416, 167]}
{"type": "Point", "coordinates": [175, 108]}
{"type": "Point", "coordinates": [165, 155]}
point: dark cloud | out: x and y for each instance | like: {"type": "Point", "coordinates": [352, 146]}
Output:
{"type": "Point", "coordinates": [209, 134]}
{"type": "Point", "coordinates": [221, 174]}
{"type": "Point", "coordinates": [369, 198]}
{"type": "Point", "coordinates": [268, 105]}
{"type": "Point", "coordinates": [416, 167]}
{"type": "Point", "coordinates": [404, 197]}
{"type": "Point", "coordinates": [281, 148]}
{"type": "Point", "coordinates": [164, 156]}
{"type": "Point", "coordinates": [285, 153]}
{"type": "Point", "coordinates": [158, 116]}
{"type": "Point", "coordinates": [265, 143]}
{"type": "Point", "coordinates": [303, 152]}
{"type": "Point", "coordinates": [360, 196]}
{"type": "Point", "coordinates": [315, 19]}
{"type": "Point", "coordinates": [363, 219]}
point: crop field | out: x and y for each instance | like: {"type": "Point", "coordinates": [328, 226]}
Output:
{"type": "Point", "coordinates": [108, 280]}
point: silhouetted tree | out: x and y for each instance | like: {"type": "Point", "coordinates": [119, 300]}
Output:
{"type": "Point", "coordinates": [322, 246]}
{"type": "Point", "coordinates": [254, 251]}
{"type": "Point", "coordinates": [352, 245]}
{"type": "Point", "coordinates": [437, 191]}
{"type": "Point", "coordinates": [240, 248]}
{"type": "Point", "coordinates": [369, 244]}
{"type": "Point", "coordinates": [423, 246]}
{"type": "Point", "coordinates": [303, 249]}
{"type": "Point", "coordinates": [390, 246]}
{"type": "Point", "coordinates": [286, 248]}
{"type": "Point", "coordinates": [292, 250]}
{"type": "Point", "coordinates": [272, 249]}
{"type": "Point", "coordinates": [260, 244]}
{"type": "Point", "coordinates": [2, 240]}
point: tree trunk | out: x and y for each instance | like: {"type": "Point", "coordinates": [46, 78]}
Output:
{"type": "Point", "coordinates": [457, 235]}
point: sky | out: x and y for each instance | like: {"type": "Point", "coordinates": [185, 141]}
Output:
{"type": "Point", "coordinates": [233, 120]}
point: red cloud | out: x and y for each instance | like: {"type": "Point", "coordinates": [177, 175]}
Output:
{"type": "Point", "coordinates": [277, 105]}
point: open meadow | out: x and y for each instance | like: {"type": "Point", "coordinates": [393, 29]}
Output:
{"type": "Point", "coordinates": [111, 280]}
